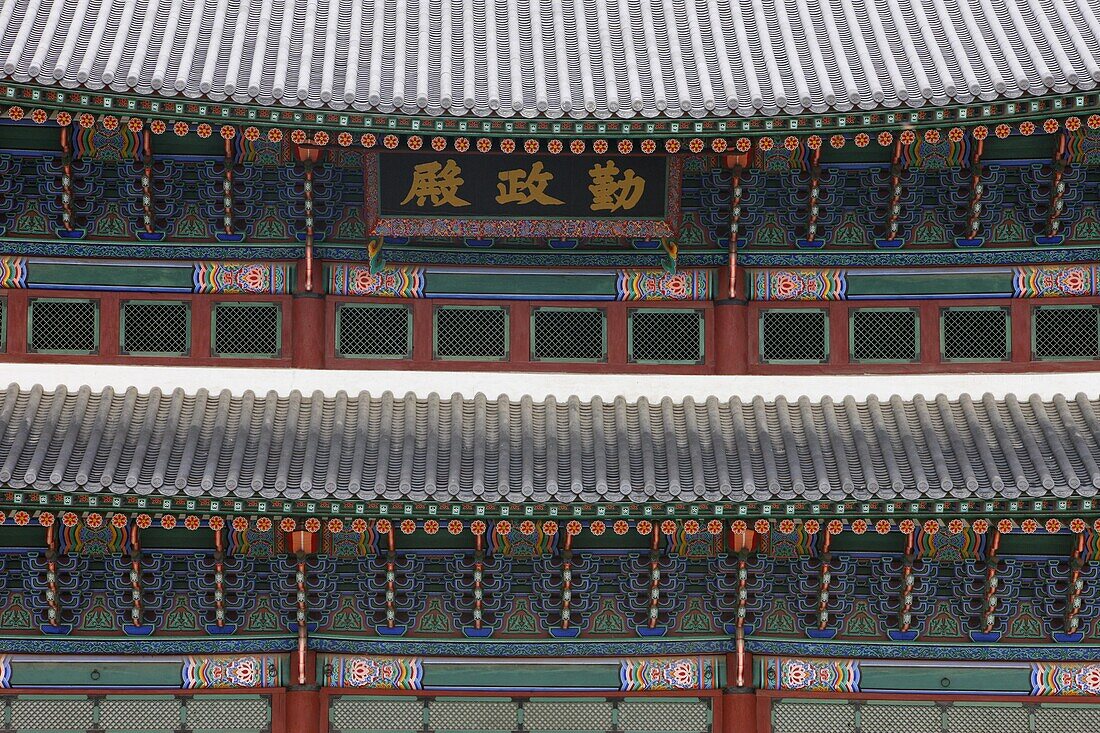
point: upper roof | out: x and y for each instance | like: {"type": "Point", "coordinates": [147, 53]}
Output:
{"type": "Point", "coordinates": [572, 58]}
{"type": "Point", "coordinates": [391, 448]}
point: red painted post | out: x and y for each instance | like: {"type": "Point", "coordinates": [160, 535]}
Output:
{"type": "Point", "coordinates": [739, 702]}
{"type": "Point", "coordinates": [307, 331]}
{"type": "Point", "coordinates": [731, 325]}
{"type": "Point", "coordinates": [303, 702]}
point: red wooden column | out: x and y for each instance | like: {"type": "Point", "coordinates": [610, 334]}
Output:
{"type": "Point", "coordinates": [731, 320]}
{"type": "Point", "coordinates": [741, 706]}
{"type": "Point", "coordinates": [303, 702]}
{"type": "Point", "coordinates": [307, 328]}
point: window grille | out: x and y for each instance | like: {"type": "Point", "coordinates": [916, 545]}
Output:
{"type": "Point", "coordinates": [568, 715]}
{"type": "Point", "coordinates": [472, 715]}
{"type": "Point", "coordinates": [790, 335]}
{"type": "Point", "coordinates": [791, 716]}
{"type": "Point", "coordinates": [568, 334]}
{"type": "Point", "coordinates": [225, 713]}
{"type": "Point", "coordinates": [974, 334]}
{"type": "Point", "coordinates": [156, 327]}
{"type": "Point", "coordinates": [51, 713]}
{"type": "Point", "coordinates": [471, 333]}
{"type": "Point", "coordinates": [139, 713]}
{"type": "Point", "coordinates": [668, 336]}
{"type": "Point", "coordinates": [360, 713]}
{"type": "Point", "coordinates": [61, 326]}
{"type": "Point", "coordinates": [1066, 332]}
{"type": "Point", "coordinates": [664, 716]}
{"type": "Point", "coordinates": [247, 330]}
{"type": "Point", "coordinates": [884, 335]}
{"type": "Point", "coordinates": [373, 331]}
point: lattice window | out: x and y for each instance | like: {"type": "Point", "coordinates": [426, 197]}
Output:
{"type": "Point", "coordinates": [789, 716]}
{"type": "Point", "coordinates": [568, 334]}
{"type": "Point", "coordinates": [373, 331]}
{"type": "Point", "coordinates": [61, 326]}
{"type": "Point", "coordinates": [664, 716]}
{"type": "Point", "coordinates": [1067, 718]}
{"type": "Point", "coordinates": [974, 334]}
{"type": "Point", "coordinates": [224, 713]}
{"type": "Point", "coordinates": [472, 714]}
{"type": "Point", "coordinates": [987, 718]}
{"type": "Point", "coordinates": [790, 335]}
{"type": "Point", "coordinates": [876, 717]}
{"type": "Point", "coordinates": [156, 327]}
{"type": "Point", "coordinates": [567, 715]}
{"type": "Point", "coordinates": [247, 330]}
{"type": "Point", "coordinates": [51, 713]}
{"type": "Point", "coordinates": [1066, 332]}
{"type": "Point", "coordinates": [884, 334]}
{"type": "Point", "coordinates": [140, 712]}
{"type": "Point", "coordinates": [356, 713]}
{"type": "Point", "coordinates": [665, 336]}
{"type": "Point", "coordinates": [471, 333]}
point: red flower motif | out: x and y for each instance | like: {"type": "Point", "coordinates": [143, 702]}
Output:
{"type": "Point", "coordinates": [110, 122]}
{"type": "Point", "coordinates": [1053, 526]}
{"type": "Point", "coordinates": [907, 526]}
{"type": "Point", "coordinates": [1094, 122]}
{"type": "Point", "coordinates": [979, 526]}
{"type": "Point", "coordinates": [181, 128]}
{"type": "Point", "coordinates": [484, 145]}
{"type": "Point", "coordinates": [414, 142]}
{"type": "Point", "coordinates": [597, 528]}
{"type": "Point", "coordinates": [644, 526]}
{"type": "Point", "coordinates": [837, 141]}
{"type": "Point", "coordinates": [228, 132]}
{"type": "Point", "coordinates": [813, 142]}
{"type": "Point", "coordinates": [64, 119]}
{"type": "Point", "coordinates": [812, 526]}
{"type": "Point", "coordinates": [312, 525]}
{"type": "Point", "coordinates": [527, 527]}
{"type": "Point", "coordinates": [907, 137]}
{"type": "Point", "coordinates": [368, 140]}
{"type": "Point", "coordinates": [204, 130]}
{"type": "Point", "coordinates": [359, 525]}
{"type": "Point", "coordinates": [1029, 526]}
{"type": "Point", "coordinates": [39, 116]}
{"type": "Point", "coordinates": [882, 526]}
{"type": "Point", "coordinates": [335, 525]}
{"type": "Point", "coordinates": [87, 120]}
{"type": "Point", "coordinates": [981, 132]}
{"type": "Point", "coordinates": [503, 527]}
{"type": "Point", "coordinates": [1004, 526]}
{"type": "Point", "coordinates": [1073, 124]}
{"type": "Point", "coordinates": [1077, 525]}
{"type": "Point", "coordinates": [22, 519]}
{"type": "Point", "coordinates": [762, 526]}
{"type": "Point", "coordinates": [1027, 128]}
{"type": "Point", "coordinates": [691, 526]}
{"type": "Point", "coordinates": [835, 526]}
{"type": "Point", "coordinates": [738, 526]}
{"type": "Point", "coordinates": [168, 521]}
{"type": "Point", "coordinates": [577, 147]}
{"type": "Point", "coordinates": [625, 147]}
{"type": "Point", "coordinates": [956, 526]}
{"type": "Point", "coordinates": [408, 526]}
{"type": "Point", "coordinates": [791, 143]}
{"type": "Point", "coordinates": [599, 146]}
{"type": "Point", "coordinates": [477, 527]}
{"type": "Point", "coordinates": [531, 146]}
{"type": "Point", "coordinates": [859, 526]}
{"type": "Point", "coordinates": [672, 146]}
{"type": "Point", "coordinates": [786, 526]}
{"type": "Point", "coordinates": [714, 526]}
{"type": "Point", "coordinates": [94, 520]}
{"type": "Point", "coordinates": [621, 527]}
{"type": "Point", "coordinates": [439, 144]}
{"type": "Point", "coordinates": [215, 523]}
{"type": "Point", "coordinates": [431, 526]}
{"type": "Point", "coordinates": [555, 146]}
{"type": "Point", "coordinates": [668, 527]}
{"type": "Point", "coordinates": [765, 143]}
{"type": "Point", "coordinates": [263, 524]}
{"type": "Point", "coordinates": [932, 526]}
{"type": "Point", "coordinates": [885, 138]}
{"type": "Point", "coordinates": [696, 145]}
{"type": "Point", "coordinates": [573, 528]}
{"type": "Point", "coordinates": [719, 144]}
{"type": "Point", "coordinates": [1002, 131]}
{"type": "Point", "coordinates": [69, 519]}
{"type": "Point", "coordinates": [1050, 126]}
{"type": "Point", "coordinates": [46, 519]}
{"type": "Point", "coordinates": [275, 135]}
{"type": "Point", "coordinates": [550, 527]}
{"type": "Point", "coordinates": [932, 136]}
{"type": "Point", "coordinates": [744, 144]}
{"type": "Point", "coordinates": [240, 524]}
{"type": "Point", "coordinates": [288, 524]}
{"type": "Point", "coordinates": [143, 521]}
{"type": "Point", "coordinates": [862, 140]}
{"type": "Point", "coordinates": [383, 526]}
{"type": "Point", "coordinates": [462, 144]}
{"type": "Point", "coordinates": [344, 139]}
{"type": "Point", "coordinates": [454, 526]}
{"type": "Point", "coordinates": [390, 142]}
{"type": "Point", "coordinates": [507, 145]}
{"type": "Point", "coordinates": [191, 522]}
{"type": "Point", "coordinates": [956, 134]}
{"type": "Point", "coordinates": [252, 133]}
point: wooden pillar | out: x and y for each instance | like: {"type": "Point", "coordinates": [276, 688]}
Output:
{"type": "Point", "coordinates": [307, 331]}
{"type": "Point", "coordinates": [741, 705]}
{"type": "Point", "coordinates": [731, 327]}
{"type": "Point", "coordinates": [303, 702]}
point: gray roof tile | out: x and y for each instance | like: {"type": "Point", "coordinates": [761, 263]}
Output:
{"type": "Point", "coordinates": [479, 449]}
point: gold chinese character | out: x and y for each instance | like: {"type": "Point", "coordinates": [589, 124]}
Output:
{"type": "Point", "coordinates": [436, 183]}
{"type": "Point", "coordinates": [520, 187]}
{"type": "Point", "coordinates": [610, 192]}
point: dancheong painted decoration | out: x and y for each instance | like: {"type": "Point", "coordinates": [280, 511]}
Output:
{"type": "Point", "coordinates": [578, 366]}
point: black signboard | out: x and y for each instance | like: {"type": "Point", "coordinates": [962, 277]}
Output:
{"type": "Point", "coordinates": [498, 185]}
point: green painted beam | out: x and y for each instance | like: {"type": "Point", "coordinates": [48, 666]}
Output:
{"type": "Point", "coordinates": [517, 675]}
{"type": "Point", "coordinates": [97, 673]}
{"type": "Point", "coordinates": [922, 284]}
{"type": "Point", "coordinates": [463, 283]}
{"type": "Point", "coordinates": [915, 678]}
{"type": "Point", "coordinates": [99, 275]}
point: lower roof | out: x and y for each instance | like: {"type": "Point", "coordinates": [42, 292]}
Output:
{"type": "Point", "coordinates": [370, 446]}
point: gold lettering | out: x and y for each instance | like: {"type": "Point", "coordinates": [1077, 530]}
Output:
{"type": "Point", "coordinates": [437, 183]}
{"type": "Point", "coordinates": [612, 192]}
{"type": "Point", "coordinates": [520, 187]}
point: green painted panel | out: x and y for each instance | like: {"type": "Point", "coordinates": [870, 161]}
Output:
{"type": "Point", "coordinates": [31, 137]}
{"type": "Point", "coordinates": [974, 283]}
{"type": "Point", "coordinates": [913, 678]}
{"type": "Point", "coordinates": [463, 283]}
{"type": "Point", "coordinates": [79, 673]}
{"type": "Point", "coordinates": [50, 273]}
{"type": "Point", "coordinates": [521, 676]}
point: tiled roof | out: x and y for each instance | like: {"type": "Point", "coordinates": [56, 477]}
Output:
{"type": "Point", "coordinates": [382, 446]}
{"type": "Point", "coordinates": [572, 58]}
